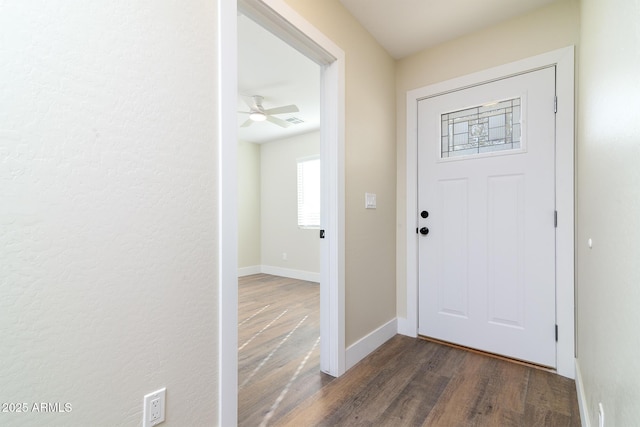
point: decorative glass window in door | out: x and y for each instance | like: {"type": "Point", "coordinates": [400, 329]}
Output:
{"type": "Point", "coordinates": [482, 129]}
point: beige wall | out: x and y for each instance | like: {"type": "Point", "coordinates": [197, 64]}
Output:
{"type": "Point", "coordinates": [609, 210]}
{"type": "Point", "coordinates": [249, 209]}
{"type": "Point", "coordinates": [370, 166]}
{"type": "Point", "coordinates": [108, 210]}
{"type": "Point", "coordinates": [279, 195]}
{"type": "Point", "coordinates": [543, 30]}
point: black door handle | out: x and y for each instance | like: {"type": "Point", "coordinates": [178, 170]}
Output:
{"type": "Point", "coordinates": [424, 231]}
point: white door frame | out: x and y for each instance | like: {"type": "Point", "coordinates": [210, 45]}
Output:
{"type": "Point", "coordinates": [281, 19]}
{"type": "Point", "coordinates": [563, 59]}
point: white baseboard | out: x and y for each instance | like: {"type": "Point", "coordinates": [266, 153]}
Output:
{"type": "Point", "coordinates": [582, 398]}
{"type": "Point", "coordinates": [309, 276]}
{"type": "Point", "coordinates": [248, 271]}
{"type": "Point", "coordinates": [293, 274]}
{"type": "Point", "coordinates": [366, 345]}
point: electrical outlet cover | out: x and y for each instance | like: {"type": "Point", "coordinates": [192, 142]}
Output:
{"type": "Point", "coordinates": [154, 404]}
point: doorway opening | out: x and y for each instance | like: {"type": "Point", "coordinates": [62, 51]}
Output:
{"type": "Point", "coordinates": [278, 226]}
{"type": "Point", "coordinates": [281, 20]}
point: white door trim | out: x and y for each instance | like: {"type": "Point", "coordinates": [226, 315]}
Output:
{"type": "Point", "coordinates": [227, 226]}
{"type": "Point", "coordinates": [564, 61]}
{"type": "Point", "coordinates": [280, 18]}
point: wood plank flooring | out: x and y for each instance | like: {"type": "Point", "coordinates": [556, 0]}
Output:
{"type": "Point", "coordinates": [278, 347]}
{"type": "Point", "coordinates": [406, 382]}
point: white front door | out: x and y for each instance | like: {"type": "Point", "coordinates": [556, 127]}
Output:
{"type": "Point", "coordinates": [486, 200]}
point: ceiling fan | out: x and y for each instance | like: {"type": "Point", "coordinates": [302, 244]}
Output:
{"type": "Point", "coordinates": [257, 113]}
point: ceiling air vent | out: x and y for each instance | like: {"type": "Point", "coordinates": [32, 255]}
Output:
{"type": "Point", "coordinates": [294, 120]}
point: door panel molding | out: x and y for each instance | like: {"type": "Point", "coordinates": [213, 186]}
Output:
{"type": "Point", "coordinates": [563, 59]}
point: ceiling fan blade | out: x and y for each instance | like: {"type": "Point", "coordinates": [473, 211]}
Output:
{"type": "Point", "coordinates": [250, 101]}
{"type": "Point", "coordinates": [247, 123]}
{"type": "Point", "coordinates": [282, 110]}
{"type": "Point", "coordinates": [244, 112]}
{"type": "Point", "coordinates": [277, 121]}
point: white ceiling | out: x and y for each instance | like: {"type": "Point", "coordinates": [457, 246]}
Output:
{"type": "Point", "coordinates": [269, 67]}
{"type": "Point", "coordinates": [404, 27]}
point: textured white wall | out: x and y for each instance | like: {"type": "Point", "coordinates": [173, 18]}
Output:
{"type": "Point", "coordinates": [543, 30]}
{"type": "Point", "coordinates": [249, 210]}
{"type": "Point", "coordinates": [279, 195]}
{"type": "Point", "coordinates": [609, 210]}
{"type": "Point", "coordinates": [108, 210]}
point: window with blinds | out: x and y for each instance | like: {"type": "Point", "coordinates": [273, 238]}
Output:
{"type": "Point", "coordinates": [309, 192]}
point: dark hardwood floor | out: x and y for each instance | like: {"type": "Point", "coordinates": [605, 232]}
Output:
{"type": "Point", "coordinates": [406, 382]}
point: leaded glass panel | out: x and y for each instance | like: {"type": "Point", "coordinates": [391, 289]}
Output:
{"type": "Point", "coordinates": [482, 129]}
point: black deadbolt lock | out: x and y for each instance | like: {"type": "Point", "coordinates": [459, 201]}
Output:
{"type": "Point", "coordinates": [424, 214]}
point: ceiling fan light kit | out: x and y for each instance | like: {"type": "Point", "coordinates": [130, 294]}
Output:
{"type": "Point", "coordinates": [257, 113]}
{"type": "Point", "coordinates": [258, 116]}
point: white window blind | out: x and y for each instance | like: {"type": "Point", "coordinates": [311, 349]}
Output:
{"type": "Point", "coordinates": [309, 192]}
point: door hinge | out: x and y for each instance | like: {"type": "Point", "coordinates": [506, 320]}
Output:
{"type": "Point", "coordinates": [555, 219]}
{"type": "Point", "coordinates": [417, 230]}
{"type": "Point", "coordinates": [322, 234]}
{"type": "Point", "coordinates": [555, 104]}
{"type": "Point", "coordinates": [556, 333]}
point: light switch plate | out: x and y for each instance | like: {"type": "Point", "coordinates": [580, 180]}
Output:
{"type": "Point", "coordinates": [369, 200]}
